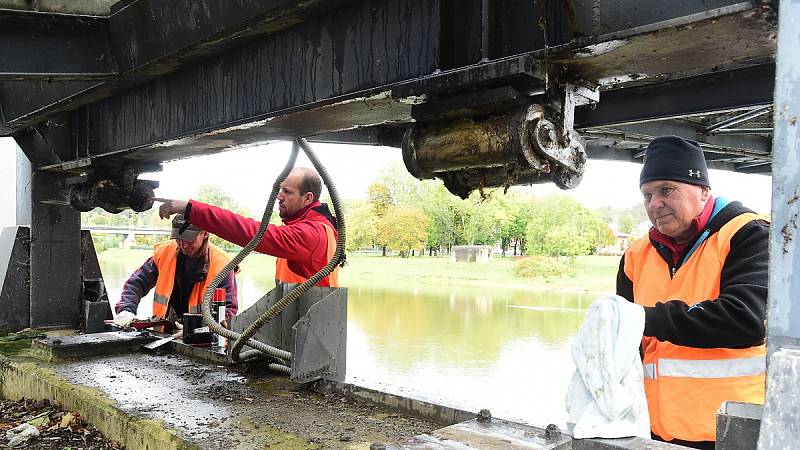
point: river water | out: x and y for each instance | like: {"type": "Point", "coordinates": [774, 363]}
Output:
{"type": "Point", "coordinates": [467, 347]}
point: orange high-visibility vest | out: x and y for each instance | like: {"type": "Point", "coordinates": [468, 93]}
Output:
{"type": "Point", "coordinates": [165, 256]}
{"type": "Point", "coordinates": [285, 275]}
{"type": "Point", "coordinates": [684, 385]}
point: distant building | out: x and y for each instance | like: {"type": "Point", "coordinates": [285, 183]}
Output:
{"type": "Point", "coordinates": [621, 242]}
{"type": "Point", "coordinates": [472, 253]}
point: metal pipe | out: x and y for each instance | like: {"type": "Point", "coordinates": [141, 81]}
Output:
{"type": "Point", "coordinates": [779, 421]}
{"type": "Point", "coordinates": [744, 131]}
{"type": "Point", "coordinates": [737, 119]}
{"type": "Point", "coordinates": [485, 30]}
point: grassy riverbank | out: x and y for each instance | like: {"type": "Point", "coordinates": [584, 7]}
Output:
{"type": "Point", "coordinates": [592, 273]}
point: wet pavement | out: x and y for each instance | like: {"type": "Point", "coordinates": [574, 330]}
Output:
{"type": "Point", "coordinates": [215, 408]}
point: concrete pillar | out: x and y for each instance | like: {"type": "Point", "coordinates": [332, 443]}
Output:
{"type": "Point", "coordinates": [780, 424]}
{"type": "Point", "coordinates": [15, 185]}
{"type": "Point", "coordinates": [15, 219]}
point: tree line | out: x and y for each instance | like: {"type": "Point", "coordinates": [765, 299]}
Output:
{"type": "Point", "coordinates": [404, 214]}
{"type": "Point", "coordinates": [408, 216]}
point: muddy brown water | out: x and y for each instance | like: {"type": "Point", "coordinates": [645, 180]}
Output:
{"type": "Point", "coordinates": [464, 347]}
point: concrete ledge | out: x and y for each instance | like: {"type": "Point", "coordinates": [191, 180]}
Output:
{"type": "Point", "coordinates": [415, 408]}
{"type": "Point", "coordinates": [25, 379]}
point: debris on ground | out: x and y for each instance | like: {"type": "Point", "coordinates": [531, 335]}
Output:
{"type": "Point", "coordinates": [42, 425]}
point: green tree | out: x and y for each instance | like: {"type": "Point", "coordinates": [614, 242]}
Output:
{"type": "Point", "coordinates": [215, 195]}
{"type": "Point", "coordinates": [380, 198]}
{"type": "Point", "coordinates": [561, 226]}
{"type": "Point", "coordinates": [362, 225]}
{"type": "Point", "coordinates": [403, 229]}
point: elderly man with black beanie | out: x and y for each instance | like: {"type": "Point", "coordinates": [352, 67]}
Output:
{"type": "Point", "coordinates": [701, 276]}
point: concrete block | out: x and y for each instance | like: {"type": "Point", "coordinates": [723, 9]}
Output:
{"type": "Point", "coordinates": [15, 301]}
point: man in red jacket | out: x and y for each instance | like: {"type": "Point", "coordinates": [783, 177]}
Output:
{"type": "Point", "coordinates": [303, 245]}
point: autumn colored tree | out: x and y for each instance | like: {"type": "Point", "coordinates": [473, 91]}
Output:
{"type": "Point", "coordinates": [403, 229]}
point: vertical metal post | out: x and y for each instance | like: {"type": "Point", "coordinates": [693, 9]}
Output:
{"type": "Point", "coordinates": [780, 424]}
{"type": "Point", "coordinates": [485, 7]}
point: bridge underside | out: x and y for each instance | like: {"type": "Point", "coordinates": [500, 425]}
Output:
{"type": "Point", "coordinates": [150, 81]}
{"type": "Point", "coordinates": [96, 95]}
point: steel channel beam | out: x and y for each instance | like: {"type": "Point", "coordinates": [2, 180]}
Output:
{"type": "Point", "coordinates": [760, 111]}
{"type": "Point", "coordinates": [42, 46]}
{"type": "Point", "coordinates": [720, 91]}
{"type": "Point", "coordinates": [151, 38]}
{"type": "Point", "coordinates": [780, 425]}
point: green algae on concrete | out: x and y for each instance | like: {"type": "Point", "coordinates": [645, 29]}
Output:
{"type": "Point", "coordinates": [26, 379]}
{"type": "Point", "coordinates": [15, 347]}
{"type": "Point", "coordinates": [274, 386]}
{"type": "Point", "coordinates": [271, 436]}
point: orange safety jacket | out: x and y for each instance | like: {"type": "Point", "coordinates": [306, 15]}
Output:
{"type": "Point", "coordinates": [285, 275]}
{"type": "Point", "coordinates": [165, 256]}
{"type": "Point", "coordinates": [685, 385]}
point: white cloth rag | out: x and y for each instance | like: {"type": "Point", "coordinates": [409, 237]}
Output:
{"type": "Point", "coordinates": [606, 396]}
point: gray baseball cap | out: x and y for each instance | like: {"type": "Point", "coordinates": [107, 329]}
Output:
{"type": "Point", "coordinates": [189, 233]}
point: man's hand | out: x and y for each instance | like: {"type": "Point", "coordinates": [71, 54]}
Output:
{"type": "Point", "coordinates": [170, 207]}
{"type": "Point", "coordinates": [124, 319]}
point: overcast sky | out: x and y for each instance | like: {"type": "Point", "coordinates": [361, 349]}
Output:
{"type": "Point", "coordinates": [248, 174]}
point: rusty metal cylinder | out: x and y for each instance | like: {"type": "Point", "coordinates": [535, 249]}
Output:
{"type": "Point", "coordinates": [467, 144]}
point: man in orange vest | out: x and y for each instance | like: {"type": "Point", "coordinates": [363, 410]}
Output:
{"type": "Point", "coordinates": [701, 276]}
{"type": "Point", "coordinates": [180, 270]}
{"type": "Point", "coordinates": [303, 244]}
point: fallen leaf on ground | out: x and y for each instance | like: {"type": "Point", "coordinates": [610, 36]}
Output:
{"type": "Point", "coordinates": [66, 420]}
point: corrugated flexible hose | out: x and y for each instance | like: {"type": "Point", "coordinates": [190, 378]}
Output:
{"type": "Point", "coordinates": [282, 357]}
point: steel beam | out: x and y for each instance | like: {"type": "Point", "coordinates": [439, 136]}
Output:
{"type": "Point", "coordinates": [780, 424]}
{"type": "Point", "coordinates": [44, 46]}
{"type": "Point", "coordinates": [148, 39]}
{"type": "Point", "coordinates": [339, 59]}
{"type": "Point", "coordinates": [720, 91]}
{"type": "Point", "coordinates": [55, 252]}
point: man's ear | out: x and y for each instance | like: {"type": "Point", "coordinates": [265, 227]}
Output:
{"type": "Point", "coordinates": [308, 198]}
{"type": "Point", "coordinates": [705, 193]}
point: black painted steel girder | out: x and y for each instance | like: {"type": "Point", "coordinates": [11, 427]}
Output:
{"type": "Point", "coordinates": [717, 91]}
{"type": "Point", "coordinates": [140, 40]}
{"type": "Point", "coordinates": [45, 46]}
{"type": "Point", "coordinates": [356, 66]}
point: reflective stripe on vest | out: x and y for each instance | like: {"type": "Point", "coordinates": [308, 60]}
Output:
{"type": "Point", "coordinates": [708, 368]}
{"type": "Point", "coordinates": [685, 385]}
{"type": "Point", "coordinates": [285, 275]}
{"type": "Point", "coordinates": [165, 257]}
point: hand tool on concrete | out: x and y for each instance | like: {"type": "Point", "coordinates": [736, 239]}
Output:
{"type": "Point", "coordinates": [158, 343]}
{"type": "Point", "coordinates": [142, 324]}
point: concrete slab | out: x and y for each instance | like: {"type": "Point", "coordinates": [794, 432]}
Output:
{"type": "Point", "coordinates": [493, 434]}
{"type": "Point", "coordinates": [197, 405]}
{"type": "Point", "coordinates": [86, 345]}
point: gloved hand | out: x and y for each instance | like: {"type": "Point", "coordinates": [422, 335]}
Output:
{"type": "Point", "coordinates": [124, 319]}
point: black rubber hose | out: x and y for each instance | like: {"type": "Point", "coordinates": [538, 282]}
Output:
{"type": "Point", "coordinates": [244, 338]}
{"type": "Point", "coordinates": [301, 288]}
{"type": "Point", "coordinates": [214, 326]}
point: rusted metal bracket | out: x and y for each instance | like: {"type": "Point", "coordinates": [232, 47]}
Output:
{"type": "Point", "coordinates": [114, 191]}
{"type": "Point", "coordinates": [532, 143]}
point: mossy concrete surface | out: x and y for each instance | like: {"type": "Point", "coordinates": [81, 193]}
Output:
{"type": "Point", "coordinates": [22, 377]}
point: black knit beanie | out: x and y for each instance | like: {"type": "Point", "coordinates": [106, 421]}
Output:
{"type": "Point", "coordinates": [675, 159]}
